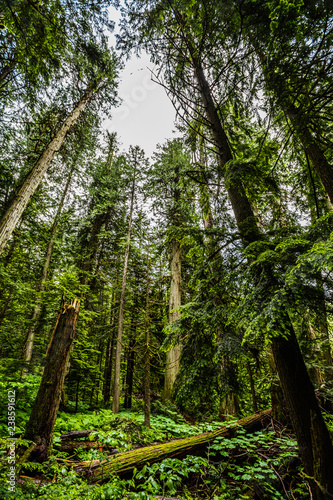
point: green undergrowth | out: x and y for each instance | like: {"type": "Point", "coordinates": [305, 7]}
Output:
{"type": "Point", "coordinates": [126, 429]}
{"type": "Point", "coordinates": [262, 465]}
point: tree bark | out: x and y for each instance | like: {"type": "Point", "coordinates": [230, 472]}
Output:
{"type": "Point", "coordinates": [108, 369]}
{"type": "Point", "coordinates": [173, 355]}
{"type": "Point", "coordinates": [116, 386]}
{"type": "Point", "coordinates": [44, 412]}
{"type": "Point", "coordinates": [126, 462]}
{"type": "Point", "coordinates": [252, 387]}
{"type": "Point", "coordinates": [37, 309]}
{"type": "Point", "coordinates": [146, 361]}
{"type": "Point", "coordinates": [130, 371]}
{"type": "Point", "coordinates": [15, 211]}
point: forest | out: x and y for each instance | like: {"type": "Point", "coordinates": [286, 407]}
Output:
{"type": "Point", "coordinates": [166, 321]}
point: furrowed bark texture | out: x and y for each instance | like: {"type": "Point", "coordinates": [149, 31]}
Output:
{"type": "Point", "coordinates": [173, 355]}
{"type": "Point", "coordinates": [15, 211]}
{"type": "Point", "coordinates": [125, 463]}
{"type": "Point", "coordinates": [45, 409]}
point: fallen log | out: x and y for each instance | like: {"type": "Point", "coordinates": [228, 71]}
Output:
{"type": "Point", "coordinates": [124, 463]}
{"type": "Point", "coordinates": [73, 446]}
{"type": "Point", "coordinates": [75, 434]}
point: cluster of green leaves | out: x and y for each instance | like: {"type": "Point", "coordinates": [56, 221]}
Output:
{"type": "Point", "coordinates": [25, 393]}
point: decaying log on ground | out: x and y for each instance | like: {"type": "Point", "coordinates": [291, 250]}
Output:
{"type": "Point", "coordinates": [72, 446]}
{"type": "Point", "coordinates": [75, 434]}
{"type": "Point", "coordinates": [124, 463]}
{"type": "Point", "coordinates": [71, 441]}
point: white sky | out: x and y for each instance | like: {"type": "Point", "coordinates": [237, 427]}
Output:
{"type": "Point", "coordinates": [146, 115]}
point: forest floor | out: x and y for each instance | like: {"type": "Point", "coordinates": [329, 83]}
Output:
{"type": "Point", "coordinates": [255, 465]}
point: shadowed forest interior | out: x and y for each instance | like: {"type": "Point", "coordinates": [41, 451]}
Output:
{"type": "Point", "coordinates": [166, 320]}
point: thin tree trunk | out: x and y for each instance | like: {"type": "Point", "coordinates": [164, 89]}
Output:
{"type": "Point", "coordinates": [129, 375]}
{"type": "Point", "coordinates": [131, 356]}
{"type": "Point", "coordinates": [130, 371]}
{"type": "Point", "coordinates": [173, 355]}
{"type": "Point", "coordinates": [108, 369]}
{"type": "Point", "coordinates": [37, 309]}
{"type": "Point", "coordinates": [146, 361]}
{"type": "Point", "coordinates": [40, 426]}
{"type": "Point", "coordinates": [116, 386]}
{"type": "Point", "coordinates": [277, 399]}
{"type": "Point", "coordinates": [317, 157]}
{"type": "Point", "coordinates": [15, 211]}
{"type": "Point", "coordinates": [310, 145]}
{"type": "Point", "coordinates": [252, 387]}
{"type": "Point", "coordinates": [77, 393]}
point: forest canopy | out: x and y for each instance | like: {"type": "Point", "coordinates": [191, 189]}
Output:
{"type": "Point", "coordinates": [146, 301]}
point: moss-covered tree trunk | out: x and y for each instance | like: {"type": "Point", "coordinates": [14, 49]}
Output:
{"type": "Point", "coordinates": [126, 462]}
{"type": "Point", "coordinates": [40, 426]}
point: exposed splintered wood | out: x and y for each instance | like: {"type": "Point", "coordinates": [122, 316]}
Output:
{"type": "Point", "coordinates": [44, 412]}
{"type": "Point", "coordinates": [126, 462]}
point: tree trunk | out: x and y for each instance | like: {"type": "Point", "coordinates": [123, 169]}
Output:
{"type": "Point", "coordinates": [37, 309]}
{"type": "Point", "coordinates": [108, 369]}
{"type": "Point", "coordinates": [319, 161]}
{"type": "Point", "coordinates": [277, 399]}
{"type": "Point", "coordinates": [252, 387]}
{"type": "Point", "coordinates": [229, 403]}
{"type": "Point", "coordinates": [15, 211]}
{"type": "Point", "coordinates": [313, 438]}
{"type": "Point", "coordinates": [126, 462]}
{"type": "Point", "coordinates": [312, 435]}
{"type": "Point", "coordinates": [311, 147]}
{"type": "Point", "coordinates": [40, 426]}
{"type": "Point", "coordinates": [173, 355]}
{"type": "Point", "coordinates": [116, 386]}
{"type": "Point", "coordinates": [130, 372]}
{"type": "Point", "coordinates": [131, 356]}
{"type": "Point", "coordinates": [146, 360]}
